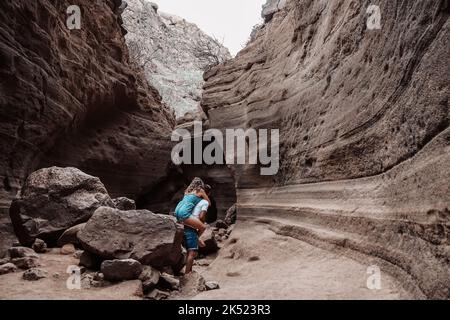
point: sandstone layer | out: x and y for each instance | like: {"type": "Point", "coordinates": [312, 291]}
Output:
{"type": "Point", "coordinates": [364, 131]}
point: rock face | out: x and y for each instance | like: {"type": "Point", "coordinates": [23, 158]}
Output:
{"type": "Point", "coordinates": [364, 130]}
{"type": "Point", "coordinates": [151, 239]}
{"type": "Point", "coordinates": [70, 98]}
{"type": "Point", "coordinates": [53, 200]}
{"type": "Point", "coordinates": [170, 61]}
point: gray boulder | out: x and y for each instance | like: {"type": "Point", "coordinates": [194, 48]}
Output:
{"type": "Point", "coordinates": [209, 238]}
{"type": "Point", "coordinates": [150, 238]}
{"type": "Point", "coordinates": [53, 200]}
{"type": "Point", "coordinates": [121, 270]}
{"type": "Point", "coordinates": [90, 261]}
{"type": "Point", "coordinates": [124, 204]}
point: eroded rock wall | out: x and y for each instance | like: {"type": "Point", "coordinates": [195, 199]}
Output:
{"type": "Point", "coordinates": [364, 130]}
{"type": "Point", "coordinates": [70, 98]}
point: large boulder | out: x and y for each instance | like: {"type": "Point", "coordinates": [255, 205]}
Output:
{"type": "Point", "coordinates": [150, 238]}
{"type": "Point", "coordinates": [53, 200]}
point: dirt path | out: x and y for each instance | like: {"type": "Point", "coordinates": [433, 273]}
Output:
{"type": "Point", "coordinates": [256, 263]}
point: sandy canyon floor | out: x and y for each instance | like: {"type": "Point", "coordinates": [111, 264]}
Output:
{"type": "Point", "coordinates": [254, 263]}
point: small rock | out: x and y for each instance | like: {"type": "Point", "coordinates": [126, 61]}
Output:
{"type": "Point", "coordinates": [77, 254]}
{"type": "Point", "coordinates": [71, 235]}
{"type": "Point", "coordinates": [7, 268]}
{"type": "Point", "coordinates": [156, 294]}
{"type": "Point", "coordinates": [26, 262]}
{"type": "Point", "coordinates": [87, 280]}
{"type": "Point", "coordinates": [212, 285]}
{"type": "Point", "coordinates": [34, 274]}
{"type": "Point", "coordinates": [90, 261]}
{"type": "Point", "coordinates": [124, 204]}
{"type": "Point", "coordinates": [168, 281]}
{"type": "Point", "coordinates": [39, 246]}
{"type": "Point", "coordinates": [119, 270]}
{"type": "Point", "coordinates": [56, 275]}
{"type": "Point", "coordinates": [222, 232]}
{"type": "Point", "coordinates": [21, 252]}
{"type": "Point", "coordinates": [68, 249]}
{"type": "Point", "coordinates": [149, 277]}
{"type": "Point", "coordinates": [98, 276]}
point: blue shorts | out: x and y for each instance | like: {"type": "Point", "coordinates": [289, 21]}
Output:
{"type": "Point", "coordinates": [190, 239]}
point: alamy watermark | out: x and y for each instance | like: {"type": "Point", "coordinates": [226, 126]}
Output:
{"type": "Point", "coordinates": [230, 146]}
{"type": "Point", "coordinates": [74, 280]}
{"type": "Point", "coordinates": [73, 21]}
{"type": "Point", "coordinates": [374, 280]}
{"type": "Point", "coordinates": [374, 18]}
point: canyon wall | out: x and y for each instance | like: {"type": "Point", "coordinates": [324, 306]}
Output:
{"type": "Point", "coordinates": [364, 131]}
{"type": "Point", "coordinates": [71, 98]}
{"type": "Point", "coordinates": [167, 47]}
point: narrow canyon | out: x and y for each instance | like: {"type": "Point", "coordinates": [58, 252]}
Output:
{"type": "Point", "coordinates": [364, 178]}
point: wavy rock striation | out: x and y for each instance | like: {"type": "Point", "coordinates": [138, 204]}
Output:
{"type": "Point", "coordinates": [364, 131]}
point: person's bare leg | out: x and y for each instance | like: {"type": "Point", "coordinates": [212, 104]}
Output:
{"type": "Point", "coordinates": [190, 261]}
{"type": "Point", "coordinates": [196, 224]}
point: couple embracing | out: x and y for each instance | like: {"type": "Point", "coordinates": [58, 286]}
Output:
{"type": "Point", "coordinates": [191, 212]}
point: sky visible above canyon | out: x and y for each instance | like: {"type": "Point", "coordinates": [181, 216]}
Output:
{"type": "Point", "coordinates": [230, 20]}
